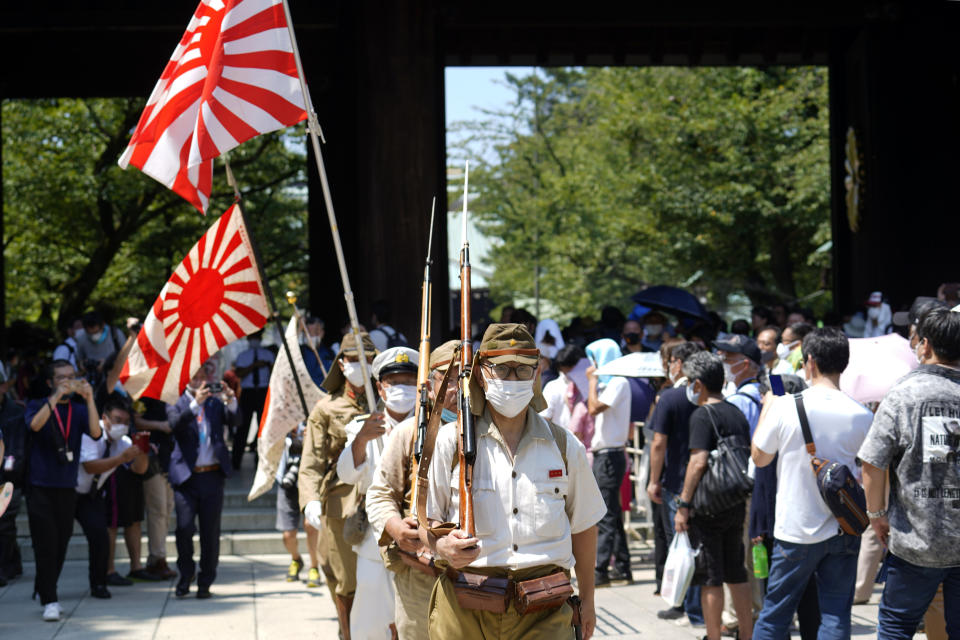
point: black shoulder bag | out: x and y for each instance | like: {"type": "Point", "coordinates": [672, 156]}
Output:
{"type": "Point", "coordinates": [725, 484]}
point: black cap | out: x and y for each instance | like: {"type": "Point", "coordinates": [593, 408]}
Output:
{"type": "Point", "coordinates": [740, 344]}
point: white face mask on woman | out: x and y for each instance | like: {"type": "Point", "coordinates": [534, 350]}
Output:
{"type": "Point", "coordinates": [400, 397]}
{"type": "Point", "coordinates": [353, 373]}
{"type": "Point", "coordinates": [509, 397]}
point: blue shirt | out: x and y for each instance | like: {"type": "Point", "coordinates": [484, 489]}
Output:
{"type": "Point", "coordinates": [313, 365]}
{"type": "Point", "coordinates": [748, 399]}
{"type": "Point", "coordinates": [46, 469]}
{"type": "Point", "coordinates": [641, 397]}
{"type": "Point", "coordinates": [671, 417]}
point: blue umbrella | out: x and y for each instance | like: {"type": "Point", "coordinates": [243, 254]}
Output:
{"type": "Point", "coordinates": [672, 300]}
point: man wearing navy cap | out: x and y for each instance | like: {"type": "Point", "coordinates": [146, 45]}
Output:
{"type": "Point", "coordinates": [741, 364]}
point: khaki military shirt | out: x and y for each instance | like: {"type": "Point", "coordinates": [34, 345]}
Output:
{"type": "Point", "coordinates": [323, 440]}
{"type": "Point", "coordinates": [526, 506]}
{"type": "Point", "coordinates": [389, 493]}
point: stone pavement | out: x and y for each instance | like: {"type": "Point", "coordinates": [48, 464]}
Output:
{"type": "Point", "coordinates": [252, 600]}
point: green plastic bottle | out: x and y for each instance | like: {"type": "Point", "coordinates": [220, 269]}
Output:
{"type": "Point", "coordinates": [760, 567]}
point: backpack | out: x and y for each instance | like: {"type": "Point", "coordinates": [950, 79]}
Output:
{"type": "Point", "coordinates": [837, 485]}
{"type": "Point", "coordinates": [394, 339]}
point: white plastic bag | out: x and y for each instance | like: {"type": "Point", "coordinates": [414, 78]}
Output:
{"type": "Point", "coordinates": [678, 571]}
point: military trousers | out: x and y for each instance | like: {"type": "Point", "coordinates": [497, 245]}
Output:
{"type": "Point", "coordinates": [338, 560]}
{"type": "Point", "coordinates": [413, 592]}
{"type": "Point", "coordinates": [447, 619]}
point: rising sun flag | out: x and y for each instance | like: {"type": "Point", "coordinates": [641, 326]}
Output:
{"type": "Point", "coordinates": [213, 297]}
{"type": "Point", "coordinates": [232, 77]}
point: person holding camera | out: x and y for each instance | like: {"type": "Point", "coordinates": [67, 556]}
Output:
{"type": "Point", "coordinates": [288, 510]}
{"type": "Point", "coordinates": [57, 424]}
{"type": "Point", "coordinates": [199, 465]}
{"type": "Point", "coordinates": [98, 458]}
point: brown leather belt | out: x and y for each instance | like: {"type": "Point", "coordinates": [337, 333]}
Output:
{"type": "Point", "coordinates": [207, 467]}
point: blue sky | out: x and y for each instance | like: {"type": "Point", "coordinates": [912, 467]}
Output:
{"type": "Point", "coordinates": [469, 89]}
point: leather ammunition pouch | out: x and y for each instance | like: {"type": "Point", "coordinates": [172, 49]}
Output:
{"type": "Point", "coordinates": [481, 593]}
{"type": "Point", "coordinates": [548, 592]}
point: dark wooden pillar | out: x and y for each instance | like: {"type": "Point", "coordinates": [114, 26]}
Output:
{"type": "Point", "coordinates": [898, 84]}
{"type": "Point", "coordinates": [382, 113]}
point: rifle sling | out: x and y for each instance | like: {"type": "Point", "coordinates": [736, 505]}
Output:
{"type": "Point", "coordinates": [429, 443]}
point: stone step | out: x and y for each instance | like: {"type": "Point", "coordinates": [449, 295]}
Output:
{"type": "Point", "coordinates": [261, 518]}
{"type": "Point", "coordinates": [236, 543]}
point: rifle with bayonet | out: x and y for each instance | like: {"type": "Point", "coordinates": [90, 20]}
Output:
{"type": "Point", "coordinates": [422, 410]}
{"type": "Point", "coordinates": [466, 430]}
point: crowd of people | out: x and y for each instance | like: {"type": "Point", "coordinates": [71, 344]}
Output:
{"type": "Point", "coordinates": [550, 479]}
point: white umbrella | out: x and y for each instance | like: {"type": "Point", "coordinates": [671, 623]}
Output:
{"type": "Point", "coordinates": [634, 365]}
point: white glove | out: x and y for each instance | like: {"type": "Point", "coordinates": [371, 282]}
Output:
{"type": "Point", "coordinates": [311, 513]}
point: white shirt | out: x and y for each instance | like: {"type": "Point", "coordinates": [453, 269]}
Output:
{"type": "Point", "coordinates": [363, 475]}
{"type": "Point", "coordinates": [612, 426]}
{"type": "Point", "coordinates": [64, 352]}
{"type": "Point", "coordinates": [381, 337]}
{"type": "Point", "coordinates": [557, 411]}
{"type": "Point", "coordinates": [839, 424]}
{"type": "Point", "coordinates": [260, 377]}
{"type": "Point", "coordinates": [91, 449]}
{"type": "Point", "coordinates": [205, 454]}
{"type": "Point", "coordinates": [526, 506]}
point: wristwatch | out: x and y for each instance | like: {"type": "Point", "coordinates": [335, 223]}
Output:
{"type": "Point", "coordinates": [873, 515]}
{"type": "Point", "coordinates": [683, 504]}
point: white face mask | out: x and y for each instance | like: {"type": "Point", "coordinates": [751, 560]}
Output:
{"type": "Point", "coordinates": [692, 396]}
{"type": "Point", "coordinates": [916, 354]}
{"type": "Point", "coordinates": [117, 431]}
{"type": "Point", "coordinates": [353, 373]}
{"type": "Point", "coordinates": [783, 350]}
{"type": "Point", "coordinates": [654, 330]}
{"type": "Point", "coordinates": [509, 397]}
{"type": "Point", "coordinates": [548, 351]}
{"type": "Point", "coordinates": [401, 397]}
{"type": "Point", "coordinates": [873, 313]}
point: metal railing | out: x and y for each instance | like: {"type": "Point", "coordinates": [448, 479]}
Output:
{"type": "Point", "coordinates": [638, 520]}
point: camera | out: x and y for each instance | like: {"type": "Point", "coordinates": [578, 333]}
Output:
{"type": "Point", "coordinates": [215, 388]}
{"type": "Point", "coordinates": [289, 480]}
{"type": "Point", "coordinates": [294, 451]}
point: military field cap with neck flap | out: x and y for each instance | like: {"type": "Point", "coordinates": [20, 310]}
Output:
{"type": "Point", "coordinates": [505, 342]}
{"type": "Point", "coordinates": [442, 356]}
{"type": "Point", "coordinates": [348, 347]}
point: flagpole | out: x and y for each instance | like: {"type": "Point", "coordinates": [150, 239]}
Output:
{"type": "Point", "coordinates": [266, 286]}
{"type": "Point", "coordinates": [292, 300]}
{"type": "Point", "coordinates": [313, 128]}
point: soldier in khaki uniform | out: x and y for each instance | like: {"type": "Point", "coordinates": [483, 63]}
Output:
{"type": "Point", "coordinates": [325, 500]}
{"type": "Point", "coordinates": [389, 501]}
{"type": "Point", "coordinates": [536, 502]}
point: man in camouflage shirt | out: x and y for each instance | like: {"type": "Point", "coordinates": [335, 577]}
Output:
{"type": "Point", "coordinates": [916, 437]}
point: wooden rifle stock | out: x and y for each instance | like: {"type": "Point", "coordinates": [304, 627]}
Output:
{"type": "Point", "coordinates": [423, 368]}
{"type": "Point", "coordinates": [467, 444]}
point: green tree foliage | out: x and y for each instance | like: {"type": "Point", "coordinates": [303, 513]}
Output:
{"type": "Point", "coordinates": [610, 179]}
{"type": "Point", "coordinates": [79, 232]}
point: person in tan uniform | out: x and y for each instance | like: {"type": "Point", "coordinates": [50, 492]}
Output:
{"type": "Point", "coordinates": [536, 504]}
{"type": "Point", "coordinates": [326, 500]}
{"type": "Point", "coordinates": [389, 501]}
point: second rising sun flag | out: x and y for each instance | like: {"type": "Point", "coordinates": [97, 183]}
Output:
{"type": "Point", "coordinates": [213, 297]}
